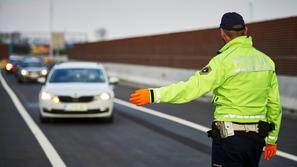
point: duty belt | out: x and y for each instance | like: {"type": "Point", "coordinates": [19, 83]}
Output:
{"type": "Point", "coordinates": [228, 128]}
{"type": "Point", "coordinates": [245, 127]}
{"type": "Point", "coordinates": [221, 130]}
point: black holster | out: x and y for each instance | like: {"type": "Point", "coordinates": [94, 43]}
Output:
{"type": "Point", "coordinates": [214, 133]}
{"type": "Point", "coordinates": [265, 128]}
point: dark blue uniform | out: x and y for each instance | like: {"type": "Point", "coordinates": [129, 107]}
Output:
{"type": "Point", "coordinates": [244, 149]}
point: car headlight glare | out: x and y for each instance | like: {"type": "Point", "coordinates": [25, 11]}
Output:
{"type": "Point", "coordinates": [56, 99]}
{"type": "Point", "coordinates": [9, 66]}
{"type": "Point", "coordinates": [103, 96]}
{"type": "Point", "coordinates": [44, 72]}
{"type": "Point", "coordinates": [24, 72]}
{"type": "Point", "coordinates": [46, 96]}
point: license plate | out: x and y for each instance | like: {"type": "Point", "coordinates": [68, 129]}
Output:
{"type": "Point", "coordinates": [75, 107]}
{"type": "Point", "coordinates": [34, 75]}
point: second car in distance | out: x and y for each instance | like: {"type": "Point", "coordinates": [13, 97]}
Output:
{"type": "Point", "coordinates": [30, 69]}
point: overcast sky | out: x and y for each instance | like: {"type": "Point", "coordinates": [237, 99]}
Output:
{"type": "Point", "coordinates": [130, 18]}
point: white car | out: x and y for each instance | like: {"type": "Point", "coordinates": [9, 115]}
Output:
{"type": "Point", "coordinates": [76, 90]}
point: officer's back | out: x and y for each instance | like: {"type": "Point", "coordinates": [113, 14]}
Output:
{"type": "Point", "coordinates": [247, 78]}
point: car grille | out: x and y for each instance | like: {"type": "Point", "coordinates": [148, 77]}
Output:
{"type": "Point", "coordinates": [82, 99]}
{"type": "Point", "coordinates": [94, 111]}
{"type": "Point", "coordinates": [34, 74]}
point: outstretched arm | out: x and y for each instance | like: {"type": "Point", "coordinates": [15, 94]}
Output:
{"type": "Point", "coordinates": [205, 80]}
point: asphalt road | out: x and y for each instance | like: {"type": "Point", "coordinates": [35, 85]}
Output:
{"type": "Point", "coordinates": [135, 139]}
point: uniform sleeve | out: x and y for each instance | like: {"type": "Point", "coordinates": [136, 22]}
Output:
{"type": "Point", "coordinates": [274, 110]}
{"type": "Point", "coordinates": [205, 80]}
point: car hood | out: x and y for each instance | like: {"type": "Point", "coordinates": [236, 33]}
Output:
{"type": "Point", "coordinates": [77, 89]}
{"type": "Point", "coordinates": [35, 69]}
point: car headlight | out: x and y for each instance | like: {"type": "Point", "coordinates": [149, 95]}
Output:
{"type": "Point", "coordinates": [24, 72]}
{"type": "Point", "coordinates": [103, 96]}
{"type": "Point", "coordinates": [9, 66]}
{"type": "Point", "coordinates": [43, 72]}
{"type": "Point", "coordinates": [56, 99]}
{"type": "Point", "coordinates": [46, 96]}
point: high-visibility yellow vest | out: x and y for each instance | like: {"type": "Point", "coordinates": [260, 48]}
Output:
{"type": "Point", "coordinates": [244, 84]}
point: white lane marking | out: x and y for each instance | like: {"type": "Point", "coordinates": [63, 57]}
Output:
{"type": "Point", "coordinates": [47, 147]}
{"type": "Point", "coordinates": [286, 155]}
{"type": "Point", "coordinates": [187, 123]}
{"type": "Point", "coordinates": [162, 115]}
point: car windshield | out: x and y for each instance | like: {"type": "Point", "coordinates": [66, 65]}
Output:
{"type": "Point", "coordinates": [32, 64]}
{"type": "Point", "coordinates": [15, 62]}
{"type": "Point", "coordinates": [77, 75]}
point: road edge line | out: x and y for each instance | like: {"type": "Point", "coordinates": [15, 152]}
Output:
{"type": "Point", "coordinates": [187, 123]}
{"type": "Point", "coordinates": [47, 147]}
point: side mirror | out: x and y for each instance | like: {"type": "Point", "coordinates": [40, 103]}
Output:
{"type": "Point", "coordinates": [41, 80]}
{"type": "Point", "coordinates": [113, 80]}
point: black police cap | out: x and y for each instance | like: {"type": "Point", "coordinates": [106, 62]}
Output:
{"type": "Point", "coordinates": [230, 19]}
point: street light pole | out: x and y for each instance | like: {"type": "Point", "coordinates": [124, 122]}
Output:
{"type": "Point", "coordinates": [251, 6]}
{"type": "Point", "coordinates": [51, 30]}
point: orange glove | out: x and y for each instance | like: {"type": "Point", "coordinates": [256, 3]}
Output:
{"type": "Point", "coordinates": [140, 97]}
{"type": "Point", "coordinates": [269, 151]}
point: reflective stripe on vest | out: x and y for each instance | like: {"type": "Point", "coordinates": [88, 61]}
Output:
{"type": "Point", "coordinates": [158, 94]}
{"type": "Point", "coordinates": [245, 116]}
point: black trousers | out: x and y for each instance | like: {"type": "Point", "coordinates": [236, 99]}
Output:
{"type": "Point", "coordinates": [244, 149]}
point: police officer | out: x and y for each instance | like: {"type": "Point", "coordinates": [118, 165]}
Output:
{"type": "Point", "coordinates": [246, 96]}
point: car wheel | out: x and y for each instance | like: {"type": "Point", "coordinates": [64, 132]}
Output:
{"type": "Point", "coordinates": [44, 119]}
{"type": "Point", "coordinates": [19, 80]}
